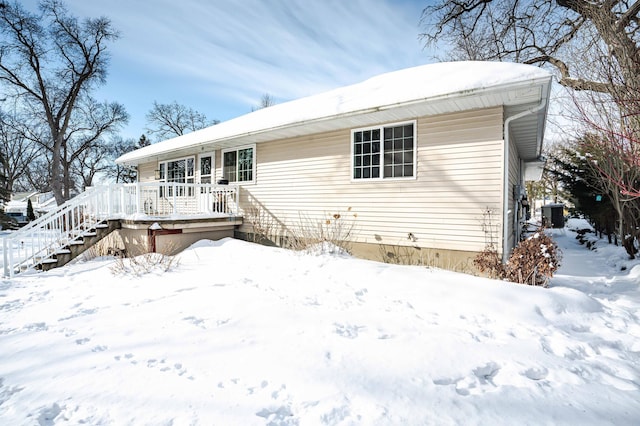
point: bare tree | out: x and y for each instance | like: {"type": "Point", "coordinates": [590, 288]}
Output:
{"type": "Point", "coordinates": [266, 101]}
{"type": "Point", "coordinates": [49, 61]}
{"type": "Point", "coordinates": [85, 150]}
{"type": "Point", "coordinates": [88, 164]}
{"type": "Point", "coordinates": [543, 32]}
{"type": "Point", "coordinates": [167, 121]}
{"type": "Point", "coordinates": [119, 147]}
{"type": "Point", "coordinates": [19, 151]}
{"type": "Point", "coordinates": [5, 193]}
{"type": "Point", "coordinates": [594, 47]}
{"type": "Point", "coordinates": [39, 175]}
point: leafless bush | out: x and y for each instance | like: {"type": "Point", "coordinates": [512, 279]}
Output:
{"type": "Point", "coordinates": [532, 262]}
{"type": "Point", "coordinates": [263, 223]}
{"type": "Point", "coordinates": [146, 262]}
{"type": "Point", "coordinates": [330, 233]}
{"type": "Point", "coordinates": [488, 262]}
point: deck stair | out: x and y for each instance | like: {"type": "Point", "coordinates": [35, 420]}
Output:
{"type": "Point", "coordinates": [61, 235]}
{"type": "Point", "coordinates": [78, 246]}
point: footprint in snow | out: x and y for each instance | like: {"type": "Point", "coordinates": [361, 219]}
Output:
{"type": "Point", "coordinates": [198, 322]}
{"type": "Point", "coordinates": [349, 331]}
{"type": "Point", "coordinates": [80, 313]}
{"type": "Point", "coordinates": [536, 373]}
{"type": "Point", "coordinates": [7, 392]}
{"type": "Point", "coordinates": [473, 383]}
{"type": "Point", "coordinates": [360, 294]}
{"type": "Point", "coordinates": [164, 367]}
{"type": "Point", "coordinates": [262, 388]}
{"type": "Point", "coordinates": [281, 415]}
{"type": "Point", "coordinates": [48, 415]}
{"type": "Point", "coordinates": [36, 326]}
{"type": "Point", "coordinates": [486, 373]}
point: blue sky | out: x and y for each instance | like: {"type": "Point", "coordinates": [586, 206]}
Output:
{"type": "Point", "coordinates": [219, 57]}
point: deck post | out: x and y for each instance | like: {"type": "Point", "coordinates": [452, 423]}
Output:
{"type": "Point", "coordinates": [110, 201]}
{"type": "Point", "coordinates": [175, 201]}
{"type": "Point", "coordinates": [237, 200]}
{"type": "Point", "coordinates": [138, 197]}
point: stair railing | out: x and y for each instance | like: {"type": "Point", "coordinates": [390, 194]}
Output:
{"type": "Point", "coordinates": [41, 238]}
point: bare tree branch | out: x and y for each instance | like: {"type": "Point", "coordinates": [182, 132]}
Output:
{"type": "Point", "coordinates": [167, 121]}
{"type": "Point", "coordinates": [50, 61]}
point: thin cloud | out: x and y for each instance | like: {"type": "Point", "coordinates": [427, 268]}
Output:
{"type": "Point", "coordinates": [236, 51]}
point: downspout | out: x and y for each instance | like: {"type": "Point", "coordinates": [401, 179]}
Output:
{"type": "Point", "coordinates": [505, 195]}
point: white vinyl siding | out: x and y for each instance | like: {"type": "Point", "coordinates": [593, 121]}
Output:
{"type": "Point", "coordinates": [146, 172]}
{"type": "Point", "coordinates": [458, 176]}
{"type": "Point", "coordinates": [514, 179]}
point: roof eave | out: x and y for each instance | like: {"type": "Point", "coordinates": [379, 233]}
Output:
{"type": "Point", "coordinates": [308, 126]}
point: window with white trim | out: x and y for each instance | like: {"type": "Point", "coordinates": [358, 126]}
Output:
{"type": "Point", "coordinates": [238, 165]}
{"type": "Point", "coordinates": [384, 152]}
{"type": "Point", "coordinates": [181, 170]}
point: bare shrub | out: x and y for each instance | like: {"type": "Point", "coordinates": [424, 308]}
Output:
{"type": "Point", "coordinates": [488, 262]}
{"type": "Point", "coordinates": [146, 262]}
{"type": "Point", "coordinates": [532, 262]}
{"type": "Point", "coordinates": [264, 225]}
{"type": "Point", "coordinates": [330, 233]}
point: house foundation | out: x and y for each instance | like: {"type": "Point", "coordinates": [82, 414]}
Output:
{"type": "Point", "coordinates": [169, 236]}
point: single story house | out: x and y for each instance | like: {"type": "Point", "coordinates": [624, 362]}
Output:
{"type": "Point", "coordinates": [420, 155]}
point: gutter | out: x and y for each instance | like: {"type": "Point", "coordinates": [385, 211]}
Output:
{"type": "Point", "coordinates": [131, 159]}
{"type": "Point", "coordinates": [505, 195]}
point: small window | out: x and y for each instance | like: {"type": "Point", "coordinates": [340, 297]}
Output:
{"type": "Point", "coordinates": [384, 152]}
{"type": "Point", "coordinates": [238, 165]}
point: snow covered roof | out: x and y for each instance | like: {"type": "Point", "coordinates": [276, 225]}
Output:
{"type": "Point", "coordinates": [409, 93]}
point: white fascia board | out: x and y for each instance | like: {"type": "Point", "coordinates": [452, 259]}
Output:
{"type": "Point", "coordinates": [313, 111]}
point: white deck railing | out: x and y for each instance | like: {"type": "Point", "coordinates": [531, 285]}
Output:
{"type": "Point", "coordinates": [173, 199]}
{"type": "Point", "coordinates": [41, 238]}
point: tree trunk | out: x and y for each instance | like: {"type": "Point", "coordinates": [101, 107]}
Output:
{"type": "Point", "coordinates": [56, 181]}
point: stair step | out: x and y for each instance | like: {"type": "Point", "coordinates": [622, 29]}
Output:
{"type": "Point", "coordinates": [71, 244]}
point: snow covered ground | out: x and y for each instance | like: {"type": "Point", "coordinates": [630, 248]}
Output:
{"type": "Point", "coordinates": [245, 334]}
